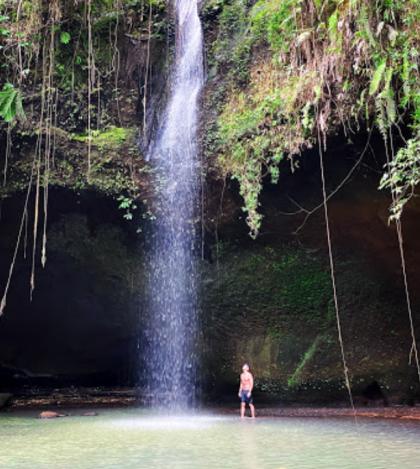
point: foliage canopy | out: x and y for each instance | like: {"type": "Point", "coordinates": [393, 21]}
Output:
{"type": "Point", "coordinates": [311, 67]}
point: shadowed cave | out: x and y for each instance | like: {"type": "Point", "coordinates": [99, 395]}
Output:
{"type": "Point", "coordinates": [268, 300]}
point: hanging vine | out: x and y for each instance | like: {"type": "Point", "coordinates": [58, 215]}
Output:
{"type": "Point", "coordinates": [49, 49]}
{"type": "Point", "coordinates": [355, 61]}
{"type": "Point", "coordinates": [91, 81]}
{"type": "Point", "coordinates": [147, 68]}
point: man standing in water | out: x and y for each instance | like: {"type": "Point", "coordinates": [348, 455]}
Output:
{"type": "Point", "coordinates": [245, 390]}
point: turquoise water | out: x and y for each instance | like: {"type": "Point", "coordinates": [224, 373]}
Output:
{"type": "Point", "coordinates": [136, 439]}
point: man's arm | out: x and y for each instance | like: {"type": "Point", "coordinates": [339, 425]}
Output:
{"type": "Point", "coordinates": [240, 387]}
{"type": "Point", "coordinates": [251, 382]}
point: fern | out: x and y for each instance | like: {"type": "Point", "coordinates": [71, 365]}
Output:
{"type": "Point", "coordinates": [391, 111]}
{"type": "Point", "coordinates": [333, 23]}
{"type": "Point", "coordinates": [403, 176]}
{"type": "Point", "coordinates": [381, 118]}
{"type": "Point", "coordinates": [405, 75]}
{"type": "Point", "coordinates": [377, 77]}
{"type": "Point", "coordinates": [364, 21]}
{"type": "Point", "coordinates": [387, 95]}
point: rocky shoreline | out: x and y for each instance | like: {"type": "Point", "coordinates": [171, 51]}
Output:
{"type": "Point", "coordinates": [72, 398]}
{"type": "Point", "coordinates": [60, 401]}
{"type": "Point", "coordinates": [397, 412]}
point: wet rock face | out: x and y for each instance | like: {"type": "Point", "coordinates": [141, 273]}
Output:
{"type": "Point", "coordinates": [272, 308]}
{"type": "Point", "coordinates": [267, 302]}
{"type": "Point", "coordinates": [81, 325]}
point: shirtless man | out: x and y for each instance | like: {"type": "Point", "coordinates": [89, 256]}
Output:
{"type": "Point", "coordinates": [245, 390]}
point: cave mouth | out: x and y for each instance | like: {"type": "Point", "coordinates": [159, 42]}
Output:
{"type": "Point", "coordinates": [81, 327]}
{"type": "Point", "coordinates": [264, 301]}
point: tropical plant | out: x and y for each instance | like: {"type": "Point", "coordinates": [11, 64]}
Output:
{"type": "Point", "coordinates": [11, 103]}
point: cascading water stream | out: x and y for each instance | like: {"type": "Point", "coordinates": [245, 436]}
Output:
{"type": "Point", "coordinates": [171, 359]}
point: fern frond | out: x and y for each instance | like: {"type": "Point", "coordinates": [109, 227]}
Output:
{"type": "Point", "coordinates": [377, 77]}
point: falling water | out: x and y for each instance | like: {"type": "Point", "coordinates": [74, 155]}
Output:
{"type": "Point", "coordinates": [171, 361]}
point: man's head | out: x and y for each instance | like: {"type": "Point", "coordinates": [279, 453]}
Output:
{"type": "Point", "coordinates": [245, 367]}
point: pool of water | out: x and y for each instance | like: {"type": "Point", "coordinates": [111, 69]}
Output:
{"type": "Point", "coordinates": [132, 438]}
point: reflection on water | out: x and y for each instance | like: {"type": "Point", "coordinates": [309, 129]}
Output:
{"type": "Point", "coordinates": [136, 439]}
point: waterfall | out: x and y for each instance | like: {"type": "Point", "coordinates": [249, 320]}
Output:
{"type": "Point", "coordinates": [170, 359]}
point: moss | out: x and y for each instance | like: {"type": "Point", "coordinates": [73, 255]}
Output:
{"type": "Point", "coordinates": [280, 282]}
{"type": "Point", "coordinates": [230, 51]}
{"type": "Point", "coordinates": [293, 381]}
{"type": "Point", "coordinates": [309, 68]}
{"type": "Point", "coordinates": [116, 163]}
{"type": "Point", "coordinates": [103, 250]}
{"type": "Point", "coordinates": [273, 306]}
{"type": "Point", "coordinates": [107, 139]}
{"type": "Point", "coordinates": [115, 90]}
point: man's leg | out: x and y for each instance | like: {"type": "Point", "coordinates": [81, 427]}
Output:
{"type": "Point", "coordinates": [242, 410]}
{"type": "Point", "coordinates": [251, 406]}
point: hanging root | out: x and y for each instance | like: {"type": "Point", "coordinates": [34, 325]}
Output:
{"type": "Point", "coordinates": [19, 236]}
{"type": "Point", "coordinates": [89, 62]}
{"type": "Point", "coordinates": [44, 151]}
{"type": "Point", "coordinates": [413, 349]}
{"type": "Point", "coordinates": [333, 281]}
{"type": "Point", "coordinates": [35, 230]}
{"type": "Point", "coordinates": [115, 62]}
{"type": "Point", "coordinates": [146, 73]}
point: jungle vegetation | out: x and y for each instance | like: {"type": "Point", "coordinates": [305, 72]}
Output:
{"type": "Point", "coordinates": [288, 74]}
{"type": "Point", "coordinates": [282, 77]}
{"type": "Point", "coordinates": [66, 108]}
{"type": "Point", "coordinates": [294, 72]}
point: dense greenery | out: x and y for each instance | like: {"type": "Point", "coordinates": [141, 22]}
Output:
{"type": "Point", "coordinates": [76, 81]}
{"type": "Point", "coordinates": [297, 70]}
{"type": "Point", "coordinates": [283, 76]}
{"type": "Point", "coordinates": [65, 91]}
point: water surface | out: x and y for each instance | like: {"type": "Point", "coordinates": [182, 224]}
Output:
{"type": "Point", "coordinates": [137, 439]}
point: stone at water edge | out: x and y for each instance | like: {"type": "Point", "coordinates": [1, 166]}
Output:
{"type": "Point", "coordinates": [90, 413]}
{"type": "Point", "coordinates": [49, 414]}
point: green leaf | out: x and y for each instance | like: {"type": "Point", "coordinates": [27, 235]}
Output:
{"type": "Point", "coordinates": [333, 23]}
{"type": "Point", "coordinates": [377, 77]}
{"type": "Point", "coordinates": [65, 37]}
{"type": "Point", "coordinates": [11, 103]}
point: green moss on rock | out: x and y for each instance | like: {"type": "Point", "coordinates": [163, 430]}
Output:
{"type": "Point", "coordinates": [272, 307]}
{"type": "Point", "coordinates": [107, 139]}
